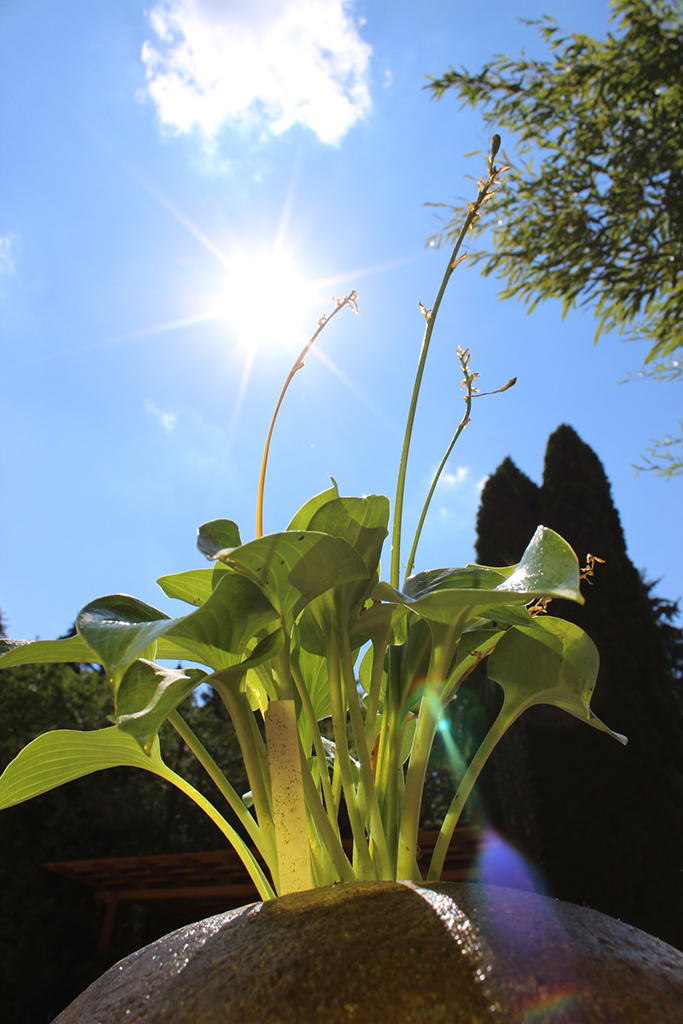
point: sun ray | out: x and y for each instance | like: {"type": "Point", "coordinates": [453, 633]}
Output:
{"type": "Point", "coordinates": [354, 389]}
{"type": "Point", "coordinates": [147, 332]}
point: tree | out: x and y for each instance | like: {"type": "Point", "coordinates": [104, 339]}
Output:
{"type": "Point", "coordinates": [625, 805]}
{"type": "Point", "coordinates": [600, 221]}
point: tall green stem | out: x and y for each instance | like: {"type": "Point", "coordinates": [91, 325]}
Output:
{"type": "Point", "coordinates": [461, 426]}
{"type": "Point", "coordinates": [343, 761]}
{"type": "Point", "coordinates": [219, 780]}
{"type": "Point", "coordinates": [366, 780]}
{"type": "Point", "coordinates": [497, 730]}
{"type": "Point", "coordinates": [431, 315]}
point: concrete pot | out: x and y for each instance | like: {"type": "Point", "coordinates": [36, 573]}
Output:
{"type": "Point", "coordinates": [393, 953]}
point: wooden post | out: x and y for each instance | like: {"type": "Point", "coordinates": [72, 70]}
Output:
{"type": "Point", "coordinates": [289, 807]}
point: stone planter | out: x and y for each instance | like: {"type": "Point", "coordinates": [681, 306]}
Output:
{"type": "Point", "coordinates": [388, 953]}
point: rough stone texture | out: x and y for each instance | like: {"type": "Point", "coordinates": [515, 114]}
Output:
{"type": "Point", "coordinates": [387, 953]}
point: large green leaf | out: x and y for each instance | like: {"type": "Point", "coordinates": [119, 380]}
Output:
{"type": "Point", "coordinates": [302, 519]}
{"type": "Point", "coordinates": [194, 586]}
{"type": "Point", "coordinates": [119, 628]}
{"type": "Point", "coordinates": [42, 652]}
{"type": "Point", "coordinates": [549, 568]}
{"type": "Point", "coordinates": [218, 536]}
{"type": "Point", "coordinates": [293, 568]}
{"type": "Point", "coordinates": [360, 521]}
{"type": "Point", "coordinates": [551, 662]}
{"type": "Point", "coordinates": [217, 633]}
{"type": "Point", "coordinates": [147, 695]}
{"type": "Point", "coordinates": [455, 597]}
{"type": "Point", "coordinates": [62, 756]}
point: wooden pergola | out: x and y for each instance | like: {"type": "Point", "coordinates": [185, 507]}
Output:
{"type": "Point", "coordinates": [196, 885]}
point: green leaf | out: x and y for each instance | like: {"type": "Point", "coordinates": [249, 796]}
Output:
{"type": "Point", "coordinates": [64, 755]}
{"type": "Point", "coordinates": [360, 521]}
{"type": "Point", "coordinates": [456, 597]}
{"type": "Point", "coordinates": [302, 519]}
{"type": "Point", "coordinates": [42, 652]}
{"type": "Point", "coordinates": [313, 670]}
{"type": "Point", "coordinates": [549, 568]}
{"type": "Point", "coordinates": [147, 695]}
{"type": "Point", "coordinates": [217, 633]}
{"type": "Point", "coordinates": [265, 650]}
{"type": "Point", "coordinates": [194, 586]}
{"type": "Point", "coordinates": [294, 568]}
{"type": "Point", "coordinates": [118, 629]}
{"type": "Point", "coordinates": [218, 536]}
{"type": "Point", "coordinates": [552, 662]}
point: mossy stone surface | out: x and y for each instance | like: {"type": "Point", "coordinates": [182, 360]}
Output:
{"type": "Point", "coordinates": [388, 953]}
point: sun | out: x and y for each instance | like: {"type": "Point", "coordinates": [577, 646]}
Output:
{"type": "Point", "coordinates": [267, 302]}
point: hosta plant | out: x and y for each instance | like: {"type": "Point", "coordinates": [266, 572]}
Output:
{"type": "Point", "coordinates": [334, 679]}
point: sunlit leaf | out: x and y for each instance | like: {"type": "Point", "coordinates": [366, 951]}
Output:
{"type": "Point", "coordinates": [217, 633]}
{"type": "Point", "coordinates": [294, 568]}
{"type": "Point", "coordinates": [302, 519]}
{"type": "Point", "coordinates": [551, 662]}
{"type": "Point", "coordinates": [549, 568]}
{"type": "Point", "coordinates": [146, 696]}
{"type": "Point", "coordinates": [42, 652]}
{"type": "Point", "coordinates": [64, 755]}
{"type": "Point", "coordinates": [119, 628]}
{"type": "Point", "coordinates": [217, 536]}
{"type": "Point", "coordinates": [194, 586]}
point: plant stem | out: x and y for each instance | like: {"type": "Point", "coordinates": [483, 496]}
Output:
{"type": "Point", "coordinates": [498, 728]}
{"type": "Point", "coordinates": [346, 300]}
{"type": "Point", "coordinates": [461, 426]}
{"type": "Point", "coordinates": [366, 780]}
{"type": "Point", "coordinates": [342, 761]}
{"type": "Point", "coordinates": [412, 798]}
{"type": "Point", "coordinates": [243, 721]}
{"type": "Point", "coordinates": [219, 779]}
{"type": "Point", "coordinates": [330, 838]}
{"type": "Point", "coordinates": [473, 210]}
{"type": "Point", "coordinates": [331, 806]}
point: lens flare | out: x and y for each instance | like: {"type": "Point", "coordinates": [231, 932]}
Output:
{"type": "Point", "coordinates": [267, 302]}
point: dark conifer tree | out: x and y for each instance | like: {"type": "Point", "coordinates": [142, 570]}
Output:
{"type": "Point", "coordinates": [610, 819]}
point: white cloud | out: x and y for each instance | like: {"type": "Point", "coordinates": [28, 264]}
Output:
{"type": "Point", "coordinates": [269, 63]}
{"type": "Point", "coordinates": [456, 478]}
{"type": "Point", "coordinates": [6, 262]}
{"type": "Point", "coordinates": [166, 419]}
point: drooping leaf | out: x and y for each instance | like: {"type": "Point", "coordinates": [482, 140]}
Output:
{"type": "Point", "coordinates": [302, 519]}
{"type": "Point", "coordinates": [43, 652]}
{"type": "Point", "coordinates": [473, 646]}
{"type": "Point", "coordinates": [146, 696]}
{"type": "Point", "coordinates": [118, 629]}
{"type": "Point", "coordinates": [64, 755]}
{"type": "Point", "coordinates": [294, 568]}
{"type": "Point", "coordinates": [551, 662]}
{"type": "Point", "coordinates": [217, 536]}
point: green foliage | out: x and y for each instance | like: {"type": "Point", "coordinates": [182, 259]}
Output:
{"type": "Point", "coordinates": [282, 618]}
{"type": "Point", "coordinates": [595, 215]}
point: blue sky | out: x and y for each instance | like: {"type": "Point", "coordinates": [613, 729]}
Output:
{"type": "Point", "coordinates": [165, 169]}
